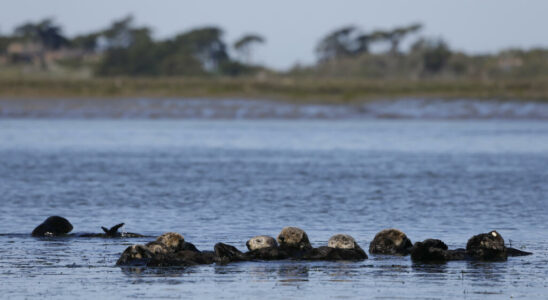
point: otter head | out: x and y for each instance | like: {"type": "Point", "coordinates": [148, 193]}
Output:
{"type": "Point", "coordinates": [172, 240]}
{"type": "Point", "coordinates": [260, 242]}
{"type": "Point", "coordinates": [133, 254]}
{"type": "Point", "coordinates": [53, 226]}
{"type": "Point", "coordinates": [390, 241]}
{"type": "Point", "coordinates": [342, 241]}
{"type": "Point", "coordinates": [157, 247]}
{"type": "Point", "coordinates": [293, 237]}
{"type": "Point", "coordinates": [487, 246]}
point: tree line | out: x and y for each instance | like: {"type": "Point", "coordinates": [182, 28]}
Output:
{"type": "Point", "coordinates": [124, 49]}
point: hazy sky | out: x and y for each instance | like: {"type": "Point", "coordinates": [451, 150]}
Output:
{"type": "Point", "coordinates": [293, 27]}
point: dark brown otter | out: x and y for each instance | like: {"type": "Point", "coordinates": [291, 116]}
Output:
{"type": "Point", "coordinates": [112, 233]}
{"type": "Point", "coordinates": [435, 251]}
{"type": "Point", "coordinates": [390, 241]}
{"type": "Point", "coordinates": [490, 247]}
{"type": "Point", "coordinates": [53, 226]}
{"type": "Point", "coordinates": [339, 247]}
{"type": "Point", "coordinates": [168, 250]}
{"type": "Point", "coordinates": [486, 246]}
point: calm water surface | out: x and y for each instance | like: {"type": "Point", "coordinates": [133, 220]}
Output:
{"type": "Point", "coordinates": [227, 181]}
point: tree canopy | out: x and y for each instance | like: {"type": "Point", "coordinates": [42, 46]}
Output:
{"type": "Point", "coordinates": [244, 44]}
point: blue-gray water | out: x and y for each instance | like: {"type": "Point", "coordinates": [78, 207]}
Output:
{"type": "Point", "coordinates": [226, 181]}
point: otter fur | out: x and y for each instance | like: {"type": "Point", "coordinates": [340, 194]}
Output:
{"type": "Point", "coordinates": [294, 241]}
{"type": "Point", "coordinates": [390, 241]}
{"type": "Point", "coordinates": [339, 247]}
{"type": "Point", "coordinates": [261, 242]}
{"type": "Point", "coordinates": [435, 251]}
{"type": "Point", "coordinates": [260, 247]}
{"type": "Point", "coordinates": [53, 226]}
{"type": "Point", "coordinates": [112, 232]}
{"type": "Point", "coordinates": [490, 247]}
{"type": "Point", "coordinates": [169, 249]}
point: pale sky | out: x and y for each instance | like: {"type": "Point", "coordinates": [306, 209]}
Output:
{"type": "Point", "coordinates": [292, 28]}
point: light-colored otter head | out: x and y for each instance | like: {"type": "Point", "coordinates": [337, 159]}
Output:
{"type": "Point", "coordinates": [395, 235]}
{"type": "Point", "coordinates": [293, 237]}
{"type": "Point", "coordinates": [172, 240]}
{"type": "Point", "coordinates": [260, 242]}
{"type": "Point", "coordinates": [342, 241]}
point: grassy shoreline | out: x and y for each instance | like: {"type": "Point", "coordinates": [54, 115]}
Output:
{"type": "Point", "coordinates": [286, 89]}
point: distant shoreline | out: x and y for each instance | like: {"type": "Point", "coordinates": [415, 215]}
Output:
{"type": "Point", "coordinates": [292, 90]}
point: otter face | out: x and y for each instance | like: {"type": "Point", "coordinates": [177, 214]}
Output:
{"type": "Point", "coordinates": [172, 240]}
{"type": "Point", "coordinates": [342, 241]}
{"type": "Point", "coordinates": [260, 242]}
{"type": "Point", "coordinates": [293, 237]}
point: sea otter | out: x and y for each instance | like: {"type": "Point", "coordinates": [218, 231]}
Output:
{"type": "Point", "coordinates": [435, 251]}
{"type": "Point", "coordinates": [58, 226]}
{"type": "Point", "coordinates": [169, 249]}
{"type": "Point", "coordinates": [53, 226]}
{"type": "Point", "coordinates": [339, 247]}
{"type": "Point", "coordinates": [294, 241]}
{"type": "Point", "coordinates": [260, 247]}
{"type": "Point", "coordinates": [490, 247]}
{"type": "Point", "coordinates": [390, 241]}
{"type": "Point", "coordinates": [112, 233]}
{"type": "Point", "coordinates": [486, 246]}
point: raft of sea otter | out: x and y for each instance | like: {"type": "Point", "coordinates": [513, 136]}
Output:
{"type": "Point", "coordinates": [170, 249]}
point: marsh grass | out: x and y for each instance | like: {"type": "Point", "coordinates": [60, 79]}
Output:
{"type": "Point", "coordinates": [281, 88]}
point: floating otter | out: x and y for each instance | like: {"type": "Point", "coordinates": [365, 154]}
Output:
{"type": "Point", "coordinates": [261, 242]}
{"type": "Point", "coordinates": [490, 247]}
{"type": "Point", "coordinates": [112, 233]}
{"type": "Point", "coordinates": [57, 226]}
{"type": "Point", "coordinates": [390, 241]}
{"type": "Point", "coordinates": [435, 251]}
{"type": "Point", "coordinates": [169, 249]}
{"type": "Point", "coordinates": [339, 247]}
{"type": "Point", "coordinates": [486, 246]}
{"type": "Point", "coordinates": [53, 226]}
{"type": "Point", "coordinates": [260, 247]}
{"type": "Point", "coordinates": [294, 241]}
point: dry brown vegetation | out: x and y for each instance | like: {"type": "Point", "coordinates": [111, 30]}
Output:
{"type": "Point", "coordinates": [283, 88]}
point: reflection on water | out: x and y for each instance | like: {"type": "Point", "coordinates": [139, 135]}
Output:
{"type": "Point", "coordinates": [221, 181]}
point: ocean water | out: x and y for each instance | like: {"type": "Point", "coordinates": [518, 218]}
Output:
{"type": "Point", "coordinates": [228, 180]}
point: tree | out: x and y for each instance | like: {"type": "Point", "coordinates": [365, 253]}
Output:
{"type": "Point", "coordinates": [205, 44]}
{"type": "Point", "coordinates": [87, 42]}
{"type": "Point", "coordinates": [118, 35]}
{"type": "Point", "coordinates": [139, 57]}
{"type": "Point", "coordinates": [244, 44]}
{"type": "Point", "coordinates": [339, 43]}
{"type": "Point", "coordinates": [396, 35]}
{"type": "Point", "coordinates": [435, 54]}
{"type": "Point", "coordinates": [46, 33]}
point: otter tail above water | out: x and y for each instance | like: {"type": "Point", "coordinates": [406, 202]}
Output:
{"type": "Point", "coordinates": [113, 231]}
